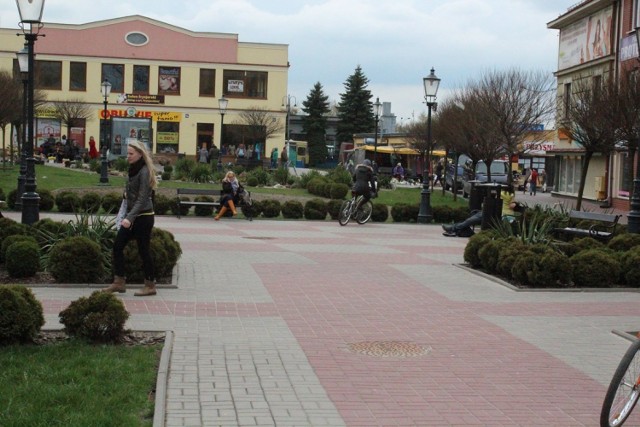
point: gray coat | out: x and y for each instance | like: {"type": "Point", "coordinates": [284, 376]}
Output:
{"type": "Point", "coordinates": [139, 195]}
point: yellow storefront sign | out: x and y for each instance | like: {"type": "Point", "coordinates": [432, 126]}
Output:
{"type": "Point", "coordinates": [167, 137]}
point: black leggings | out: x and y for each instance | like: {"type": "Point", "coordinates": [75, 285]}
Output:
{"type": "Point", "coordinates": [141, 231]}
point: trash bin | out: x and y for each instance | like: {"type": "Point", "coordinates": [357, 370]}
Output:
{"type": "Point", "coordinates": [492, 205]}
{"type": "Point", "coordinates": [476, 195]}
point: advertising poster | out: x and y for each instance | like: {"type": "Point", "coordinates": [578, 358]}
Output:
{"type": "Point", "coordinates": [585, 40]}
{"type": "Point", "coordinates": [45, 128]}
{"type": "Point", "coordinates": [169, 80]}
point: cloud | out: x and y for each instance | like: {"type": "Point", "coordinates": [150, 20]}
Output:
{"type": "Point", "coordinates": [395, 41]}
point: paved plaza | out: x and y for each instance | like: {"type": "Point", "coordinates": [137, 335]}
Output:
{"type": "Point", "coordinates": [306, 323]}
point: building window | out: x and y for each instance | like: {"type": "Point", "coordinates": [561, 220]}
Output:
{"type": "Point", "coordinates": [625, 179]}
{"type": "Point", "coordinates": [115, 74]}
{"type": "Point", "coordinates": [245, 84]}
{"type": "Point", "coordinates": [169, 80]}
{"type": "Point", "coordinates": [141, 79]}
{"type": "Point", "coordinates": [136, 38]}
{"type": "Point", "coordinates": [48, 75]}
{"type": "Point", "coordinates": [207, 82]}
{"type": "Point", "coordinates": [78, 76]}
{"type": "Point", "coordinates": [570, 170]}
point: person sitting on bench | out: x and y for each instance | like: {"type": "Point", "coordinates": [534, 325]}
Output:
{"type": "Point", "coordinates": [463, 229]}
{"type": "Point", "coordinates": [230, 188]}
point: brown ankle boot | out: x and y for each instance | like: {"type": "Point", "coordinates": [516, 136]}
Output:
{"type": "Point", "coordinates": [148, 290]}
{"type": "Point", "coordinates": [232, 206]}
{"type": "Point", "coordinates": [118, 285]}
{"type": "Point", "coordinates": [220, 213]}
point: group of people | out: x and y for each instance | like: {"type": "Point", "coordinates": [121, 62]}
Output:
{"type": "Point", "coordinates": [59, 150]}
{"type": "Point", "coordinates": [284, 158]}
{"type": "Point", "coordinates": [533, 179]}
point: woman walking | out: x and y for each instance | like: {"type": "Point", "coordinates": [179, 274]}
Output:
{"type": "Point", "coordinates": [138, 220]}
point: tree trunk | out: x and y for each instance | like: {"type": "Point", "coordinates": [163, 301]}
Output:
{"type": "Point", "coordinates": [583, 178]}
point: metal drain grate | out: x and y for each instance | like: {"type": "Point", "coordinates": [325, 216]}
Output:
{"type": "Point", "coordinates": [389, 348]}
{"type": "Point", "coordinates": [258, 238]}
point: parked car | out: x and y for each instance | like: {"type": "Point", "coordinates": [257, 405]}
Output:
{"type": "Point", "coordinates": [448, 181]}
{"type": "Point", "coordinates": [499, 174]}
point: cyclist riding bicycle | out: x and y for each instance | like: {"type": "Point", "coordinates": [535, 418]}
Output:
{"type": "Point", "coordinates": [365, 184]}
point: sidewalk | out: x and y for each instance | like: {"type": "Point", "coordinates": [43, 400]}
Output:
{"type": "Point", "coordinates": [305, 323]}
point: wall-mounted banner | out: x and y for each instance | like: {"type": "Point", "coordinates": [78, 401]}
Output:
{"type": "Point", "coordinates": [135, 98]}
{"type": "Point", "coordinates": [585, 40]}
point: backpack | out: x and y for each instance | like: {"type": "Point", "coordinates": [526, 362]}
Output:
{"type": "Point", "coordinates": [465, 232]}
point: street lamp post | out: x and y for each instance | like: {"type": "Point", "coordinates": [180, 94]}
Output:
{"type": "Point", "coordinates": [105, 88]}
{"type": "Point", "coordinates": [431, 84]}
{"type": "Point", "coordinates": [23, 63]}
{"type": "Point", "coordinates": [288, 105]}
{"type": "Point", "coordinates": [222, 105]}
{"type": "Point", "coordinates": [31, 17]}
{"type": "Point", "coordinates": [376, 110]}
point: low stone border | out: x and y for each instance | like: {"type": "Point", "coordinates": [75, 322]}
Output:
{"type": "Point", "coordinates": [517, 289]}
{"type": "Point", "coordinates": [162, 382]}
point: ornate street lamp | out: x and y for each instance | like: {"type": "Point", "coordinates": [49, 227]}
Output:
{"type": "Point", "coordinates": [105, 88]}
{"type": "Point", "coordinates": [376, 111]}
{"type": "Point", "coordinates": [30, 22]}
{"type": "Point", "coordinates": [23, 63]}
{"type": "Point", "coordinates": [222, 106]}
{"type": "Point", "coordinates": [431, 84]}
{"type": "Point", "coordinates": [633, 217]}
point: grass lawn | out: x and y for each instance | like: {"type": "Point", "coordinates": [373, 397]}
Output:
{"type": "Point", "coordinates": [76, 384]}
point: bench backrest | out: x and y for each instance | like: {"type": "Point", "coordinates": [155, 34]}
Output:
{"type": "Point", "coordinates": [594, 216]}
{"type": "Point", "coordinates": [198, 191]}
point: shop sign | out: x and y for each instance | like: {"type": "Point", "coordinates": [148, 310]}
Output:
{"type": "Point", "coordinates": [167, 138]}
{"type": "Point", "coordinates": [134, 98]}
{"type": "Point", "coordinates": [157, 116]}
{"type": "Point", "coordinates": [236, 86]}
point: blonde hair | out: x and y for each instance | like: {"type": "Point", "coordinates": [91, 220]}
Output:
{"type": "Point", "coordinates": [229, 176]}
{"type": "Point", "coordinates": [140, 148]}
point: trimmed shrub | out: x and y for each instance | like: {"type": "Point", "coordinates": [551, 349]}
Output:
{"type": "Point", "coordinates": [630, 267]}
{"type": "Point", "coordinates": [292, 209]}
{"type": "Point", "coordinates": [45, 228]}
{"type": "Point", "coordinates": [509, 252]}
{"type": "Point", "coordinates": [475, 243]}
{"type": "Point", "coordinates": [10, 240]}
{"type": "Point", "coordinates": [203, 210]}
{"type": "Point", "coordinates": [460, 213]}
{"type": "Point", "coordinates": [333, 208]}
{"type": "Point", "coordinates": [595, 268]}
{"type": "Point", "coordinates": [398, 212]}
{"type": "Point", "coordinates": [165, 176]}
{"type": "Point", "coordinates": [11, 199]}
{"type": "Point", "coordinates": [523, 266]}
{"type": "Point", "coordinates": [270, 208]}
{"type": "Point", "coordinates": [624, 242]}
{"type": "Point", "coordinates": [256, 208]}
{"type": "Point", "coordinates": [315, 209]}
{"type": "Point", "coordinates": [168, 168]}
{"type": "Point", "coordinates": [316, 185]}
{"type": "Point", "coordinates": [183, 209]}
{"type": "Point", "coordinates": [326, 190]}
{"type": "Point", "coordinates": [22, 259]}
{"type": "Point", "coordinates": [111, 202]}
{"type": "Point", "coordinates": [67, 201]}
{"type": "Point", "coordinates": [281, 175]}
{"type": "Point", "coordinates": [165, 252]}
{"type": "Point", "coordinates": [340, 175]}
{"type": "Point", "coordinates": [47, 202]}
{"type": "Point", "coordinates": [9, 227]}
{"type": "Point", "coordinates": [22, 315]}
{"type": "Point", "coordinates": [306, 178]}
{"type": "Point", "coordinates": [380, 212]}
{"type": "Point", "coordinates": [443, 214]}
{"type": "Point", "coordinates": [489, 254]}
{"type": "Point", "coordinates": [338, 191]}
{"type": "Point", "coordinates": [551, 270]}
{"type": "Point", "coordinates": [161, 204]}
{"type": "Point", "coordinates": [252, 181]}
{"type": "Point", "coordinates": [99, 318]}
{"type": "Point", "coordinates": [76, 260]}
{"type": "Point", "coordinates": [91, 202]}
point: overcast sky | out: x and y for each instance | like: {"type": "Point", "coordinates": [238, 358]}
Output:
{"type": "Point", "coordinates": [396, 42]}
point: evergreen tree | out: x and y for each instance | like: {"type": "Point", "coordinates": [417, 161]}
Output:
{"type": "Point", "coordinates": [355, 110]}
{"type": "Point", "coordinates": [314, 124]}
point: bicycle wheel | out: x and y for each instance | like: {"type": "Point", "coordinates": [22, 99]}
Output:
{"type": "Point", "coordinates": [345, 212]}
{"type": "Point", "coordinates": [624, 389]}
{"type": "Point", "coordinates": [364, 212]}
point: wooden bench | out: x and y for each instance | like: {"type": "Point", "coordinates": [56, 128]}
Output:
{"type": "Point", "coordinates": [197, 192]}
{"type": "Point", "coordinates": [602, 229]}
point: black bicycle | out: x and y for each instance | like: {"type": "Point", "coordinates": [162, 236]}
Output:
{"type": "Point", "coordinates": [356, 209]}
{"type": "Point", "coordinates": [624, 389]}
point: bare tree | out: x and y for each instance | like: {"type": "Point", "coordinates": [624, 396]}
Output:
{"type": "Point", "coordinates": [10, 106]}
{"type": "Point", "coordinates": [71, 111]}
{"type": "Point", "coordinates": [593, 120]}
{"type": "Point", "coordinates": [449, 133]}
{"type": "Point", "coordinates": [259, 124]}
{"type": "Point", "coordinates": [517, 100]}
